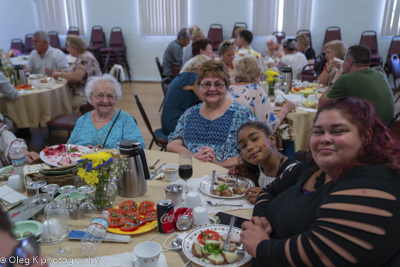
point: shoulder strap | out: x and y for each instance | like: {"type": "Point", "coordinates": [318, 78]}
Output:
{"type": "Point", "coordinates": [105, 141]}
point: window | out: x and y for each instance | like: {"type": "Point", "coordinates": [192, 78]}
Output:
{"type": "Point", "coordinates": [391, 18]}
{"type": "Point", "coordinates": [59, 15]}
{"type": "Point", "coordinates": [162, 17]}
{"type": "Point", "coordinates": [288, 16]}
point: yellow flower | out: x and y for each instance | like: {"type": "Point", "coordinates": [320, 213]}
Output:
{"type": "Point", "coordinates": [97, 158]}
{"type": "Point", "coordinates": [92, 177]}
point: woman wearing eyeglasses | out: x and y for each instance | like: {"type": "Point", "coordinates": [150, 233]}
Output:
{"type": "Point", "coordinates": [227, 51]}
{"type": "Point", "coordinates": [208, 130]}
{"type": "Point", "coordinates": [106, 125]}
{"type": "Point", "coordinates": [84, 67]}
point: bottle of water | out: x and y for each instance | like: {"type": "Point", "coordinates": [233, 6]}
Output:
{"type": "Point", "coordinates": [18, 159]}
{"type": "Point", "coordinates": [94, 234]}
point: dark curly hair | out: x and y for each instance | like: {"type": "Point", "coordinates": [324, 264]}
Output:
{"type": "Point", "coordinates": [259, 126]}
{"type": "Point", "coordinates": [380, 147]}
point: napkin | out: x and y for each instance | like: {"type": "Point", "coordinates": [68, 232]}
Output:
{"type": "Point", "coordinates": [74, 234]}
{"type": "Point", "coordinates": [193, 184]}
{"type": "Point", "coordinates": [121, 260]}
{"type": "Point", "coordinates": [307, 109]}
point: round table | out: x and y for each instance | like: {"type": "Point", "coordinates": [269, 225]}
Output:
{"type": "Point", "coordinates": [38, 105]}
{"type": "Point", "coordinates": [155, 192]}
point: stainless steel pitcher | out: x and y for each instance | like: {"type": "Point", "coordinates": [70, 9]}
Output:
{"type": "Point", "coordinates": [19, 75]}
{"type": "Point", "coordinates": [287, 76]}
{"type": "Point", "coordinates": [133, 182]}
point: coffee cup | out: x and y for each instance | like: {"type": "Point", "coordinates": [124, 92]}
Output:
{"type": "Point", "coordinates": [15, 182]}
{"type": "Point", "coordinates": [47, 238]}
{"type": "Point", "coordinates": [192, 200]}
{"type": "Point", "coordinates": [201, 218]}
{"type": "Point", "coordinates": [147, 254]}
{"type": "Point", "coordinates": [170, 172]}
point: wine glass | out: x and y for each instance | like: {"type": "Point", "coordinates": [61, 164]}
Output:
{"type": "Point", "coordinates": [57, 227]}
{"type": "Point", "coordinates": [185, 167]}
{"type": "Point", "coordinates": [87, 210]}
{"type": "Point", "coordinates": [70, 207]}
{"type": "Point", "coordinates": [37, 200]}
{"type": "Point", "coordinates": [51, 189]}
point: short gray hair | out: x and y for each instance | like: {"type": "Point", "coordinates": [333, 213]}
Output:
{"type": "Point", "coordinates": [183, 33]}
{"type": "Point", "coordinates": [103, 78]}
{"type": "Point", "coordinates": [271, 38]}
{"type": "Point", "coordinates": [193, 63]}
{"type": "Point", "coordinates": [42, 36]}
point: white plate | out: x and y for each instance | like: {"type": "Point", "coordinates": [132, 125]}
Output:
{"type": "Point", "coordinates": [205, 185]}
{"type": "Point", "coordinates": [50, 80]}
{"type": "Point", "coordinates": [4, 171]}
{"type": "Point", "coordinates": [35, 76]}
{"type": "Point", "coordinates": [220, 229]}
{"type": "Point", "coordinates": [53, 160]}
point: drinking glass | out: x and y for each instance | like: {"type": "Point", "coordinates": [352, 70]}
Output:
{"type": "Point", "coordinates": [57, 221]}
{"type": "Point", "coordinates": [37, 200]}
{"type": "Point", "coordinates": [185, 167]}
{"type": "Point", "coordinates": [87, 210]}
{"type": "Point", "coordinates": [51, 189]}
{"type": "Point", "coordinates": [72, 210]}
{"type": "Point", "coordinates": [317, 85]}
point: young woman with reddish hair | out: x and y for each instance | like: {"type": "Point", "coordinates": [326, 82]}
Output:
{"type": "Point", "coordinates": [340, 208]}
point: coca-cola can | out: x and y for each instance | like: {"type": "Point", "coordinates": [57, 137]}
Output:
{"type": "Point", "coordinates": [165, 216]}
{"type": "Point", "coordinates": [183, 218]}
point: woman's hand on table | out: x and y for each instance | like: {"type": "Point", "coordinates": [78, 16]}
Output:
{"type": "Point", "coordinates": [30, 156]}
{"type": "Point", "coordinates": [55, 75]}
{"type": "Point", "coordinates": [252, 234]}
{"type": "Point", "coordinates": [252, 194]}
{"type": "Point", "coordinates": [265, 224]}
{"type": "Point", "coordinates": [288, 106]}
{"type": "Point", "coordinates": [205, 154]}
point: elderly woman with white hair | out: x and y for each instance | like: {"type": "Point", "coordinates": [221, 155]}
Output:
{"type": "Point", "coordinates": [183, 93]}
{"type": "Point", "coordinates": [106, 125]}
{"type": "Point", "coordinates": [274, 49]}
{"type": "Point", "coordinates": [292, 57]}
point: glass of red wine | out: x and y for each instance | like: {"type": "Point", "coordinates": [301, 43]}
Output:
{"type": "Point", "coordinates": [185, 167]}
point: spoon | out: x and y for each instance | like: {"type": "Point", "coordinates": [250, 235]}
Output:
{"type": "Point", "coordinates": [215, 204]}
{"type": "Point", "coordinates": [69, 147]}
{"type": "Point", "coordinates": [154, 165]}
{"type": "Point", "coordinates": [177, 247]}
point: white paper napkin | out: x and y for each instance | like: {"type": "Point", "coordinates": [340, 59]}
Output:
{"type": "Point", "coordinates": [193, 184]}
{"type": "Point", "coordinates": [308, 109]}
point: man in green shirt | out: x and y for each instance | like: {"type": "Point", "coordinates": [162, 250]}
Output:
{"type": "Point", "coordinates": [358, 80]}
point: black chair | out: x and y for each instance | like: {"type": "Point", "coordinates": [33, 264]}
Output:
{"type": "Point", "coordinates": [396, 73]}
{"type": "Point", "coordinates": [18, 45]}
{"type": "Point", "coordinates": [164, 87]}
{"type": "Point", "coordinates": [279, 36]}
{"type": "Point", "coordinates": [159, 137]}
{"type": "Point", "coordinates": [308, 75]}
{"type": "Point", "coordinates": [393, 120]}
{"type": "Point", "coordinates": [159, 66]}
{"type": "Point", "coordinates": [236, 26]}
{"type": "Point", "coordinates": [28, 43]}
{"type": "Point", "coordinates": [305, 32]}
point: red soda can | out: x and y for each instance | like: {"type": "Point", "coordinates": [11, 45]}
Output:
{"type": "Point", "coordinates": [165, 216]}
{"type": "Point", "coordinates": [183, 218]}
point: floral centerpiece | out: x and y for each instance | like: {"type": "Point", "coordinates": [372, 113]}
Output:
{"type": "Point", "coordinates": [99, 169]}
{"type": "Point", "coordinates": [273, 77]}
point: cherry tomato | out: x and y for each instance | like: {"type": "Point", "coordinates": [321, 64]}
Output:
{"type": "Point", "coordinates": [151, 215]}
{"type": "Point", "coordinates": [115, 223]}
{"type": "Point", "coordinates": [145, 207]}
{"type": "Point", "coordinates": [115, 213]}
{"type": "Point", "coordinates": [207, 235]}
{"type": "Point", "coordinates": [128, 228]}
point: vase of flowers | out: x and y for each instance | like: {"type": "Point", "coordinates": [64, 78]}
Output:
{"type": "Point", "coordinates": [272, 78]}
{"type": "Point", "coordinates": [100, 169]}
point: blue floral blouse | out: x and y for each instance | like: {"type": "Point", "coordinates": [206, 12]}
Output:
{"type": "Point", "coordinates": [219, 134]}
{"type": "Point", "coordinates": [253, 97]}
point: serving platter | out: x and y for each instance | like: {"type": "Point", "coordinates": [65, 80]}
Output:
{"type": "Point", "coordinates": [244, 182]}
{"type": "Point", "coordinates": [54, 160]}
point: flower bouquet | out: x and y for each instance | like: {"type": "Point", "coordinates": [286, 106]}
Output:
{"type": "Point", "coordinates": [272, 78]}
{"type": "Point", "coordinates": [99, 169]}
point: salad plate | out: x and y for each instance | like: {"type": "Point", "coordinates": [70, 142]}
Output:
{"type": "Point", "coordinates": [58, 155]}
{"type": "Point", "coordinates": [244, 183]}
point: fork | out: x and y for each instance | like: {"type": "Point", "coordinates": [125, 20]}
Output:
{"type": "Point", "coordinates": [286, 101]}
{"type": "Point", "coordinates": [241, 252]}
{"type": "Point", "coordinates": [139, 223]}
{"type": "Point", "coordinates": [236, 185]}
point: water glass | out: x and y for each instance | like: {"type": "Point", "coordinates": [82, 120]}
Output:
{"type": "Point", "coordinates": [57, 227]}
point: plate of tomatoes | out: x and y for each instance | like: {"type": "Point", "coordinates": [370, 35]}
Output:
{"type": "Point", "coordinates": [24, 87]}
{"type": "Point", "coordinates": [133, 212]}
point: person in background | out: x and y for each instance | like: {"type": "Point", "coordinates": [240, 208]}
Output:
{"type": "Point", "coordinates": [200, 47]}
{"type": "Point", "coordinates": [303, 46]}
{"type": "Point", "coordinates": [106, 125]}
{"type": "Point", "coordinates": [208, 130]}
{"type": "Point", "coordinates": [45, 59]}
{"type": "Point", "coordinates": [195, 34]}
{"type": "Point", "coordinates": [6, 88]}
{"type": "Point", "coordinates": [259, 157]}
{"type": "Point", "coordinates": [333, 49]}
{"type": "Point", "coordinates": [245, 38]}
{"type": "Point", "coordinates": [173, 53]}
{"type": "Point", "coordinates": [183, 93]}
{"type": "Point", "coordinates": [227, 55]}
{"type": "Point", "coordinates": [236, 40]}
{"type": "Point", "coordinates": [358, 80]}
{"type": "Point", "coordinates": [274, 49]}
{"type": "Point", "coordinates": [84, 67]}
{"type": "Point", "coordinates": [296, 60]}
{"type": "Point", "coordinates": [20, 250]}
{"type": "Point", "coordinates": [339, 208]}
{"type": "Point", "coordinates": [247, 91]}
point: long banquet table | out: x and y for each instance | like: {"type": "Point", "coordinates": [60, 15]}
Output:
{"type": "Point", "coordinates": [38, 105]}
{"type": "Point", "coordinates": [155, 192]}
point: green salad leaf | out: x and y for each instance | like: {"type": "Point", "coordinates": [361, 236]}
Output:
{"type": "Point", "coordinates": [212, 248]}
{"type": "Point", "coordinates": [222, 187]}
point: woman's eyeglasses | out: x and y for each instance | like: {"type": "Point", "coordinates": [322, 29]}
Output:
{"type": "Point", "coordinates": [228, 44]}
{"type": "Point", "coordinates": [25, 253]}
{"type": "Point", "coordinates": [217, 85]}
{"type": "Point", "coordinates": [101, 97]}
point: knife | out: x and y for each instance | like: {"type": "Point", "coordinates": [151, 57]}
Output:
{"type": "Point", "coordinates": [155, 172]}
{"type": "Point", "coordinates": [212, 181]}
{"type": "Point", "coordinates": [228, 237]}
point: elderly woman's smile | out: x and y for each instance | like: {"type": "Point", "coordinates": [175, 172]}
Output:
{"type": "Point", "coordinates": [103, 97]}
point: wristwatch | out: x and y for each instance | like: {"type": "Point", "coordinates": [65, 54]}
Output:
{"type": "Point", "coordinates": [330, 84]}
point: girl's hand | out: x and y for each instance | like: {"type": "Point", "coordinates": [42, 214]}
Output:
{"type": "Point", "coordinates": [288, 106]}
{"type": "Point", "coordinates": [252, 194]}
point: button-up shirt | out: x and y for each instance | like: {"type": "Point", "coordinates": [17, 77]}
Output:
{"type": "Point", "coordinates": [53, 59]}
{"type": "Point", "coordinates": [173, 54]}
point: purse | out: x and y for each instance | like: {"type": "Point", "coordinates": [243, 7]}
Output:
{"type": "Point", "coordinates": [285, 136]}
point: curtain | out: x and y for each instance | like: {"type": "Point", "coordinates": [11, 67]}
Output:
{"type": "Point", "coordinates": [296, 16]}
{"type": "Point", "coordinates": [162, 17]}
{"type": "Point", "coordinates": [265, 17]}
{"type": "Point", "coordinates": [391, 16]}
{"type": "Point", "coordinates": [59, 15]}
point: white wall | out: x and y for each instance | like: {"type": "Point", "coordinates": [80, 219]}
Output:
{"type": "Point", "coordinates": [18, 18]}
{"type": "Point", "coordinates": [352, 16]}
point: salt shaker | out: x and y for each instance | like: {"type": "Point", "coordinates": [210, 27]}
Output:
{"type": "Point", "coordinates": [174, 192]}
